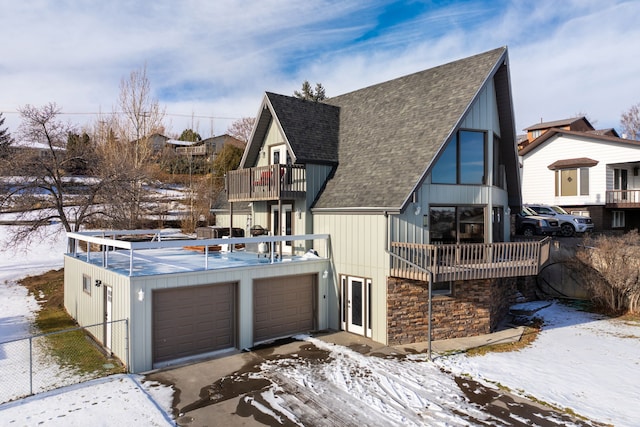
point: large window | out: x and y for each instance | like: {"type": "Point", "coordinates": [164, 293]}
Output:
{"type": "Point", "coordinates": [459, 224]}
{"type": "Point", "coordinates": [572, 182]}
{"type": "Point", "coordinates": [463, 160]}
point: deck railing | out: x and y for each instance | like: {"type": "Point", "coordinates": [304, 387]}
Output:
{"type": "Point", "coordinates": [198, 150]}
{"type": "Point", "coordinates": [623, 198]}
{"type": "Point", "coordinates": [273, 182]}
{"type": "Point", "coordinates": [468, 261]}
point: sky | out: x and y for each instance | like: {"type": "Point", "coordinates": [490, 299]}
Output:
{"type": "Point", "coordinates": [209, 63]}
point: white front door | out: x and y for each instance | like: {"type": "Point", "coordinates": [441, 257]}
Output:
{"type": "Point", "coordinates": [108, 297]}
{"type": "Point", "coordinates": [281, 224]}
{"type": "Point", "coordinates": [355, 307]}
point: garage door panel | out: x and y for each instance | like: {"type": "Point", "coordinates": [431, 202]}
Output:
{"type": "Point", "coordinates": [193, 320]}
{"type": "Point", "coordinates": [283, 306]}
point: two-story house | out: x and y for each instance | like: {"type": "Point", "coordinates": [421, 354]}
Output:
{"type": "Point", "coordinates": [388, 215]}
{"type": "Point", "coordinates": [592, 172]}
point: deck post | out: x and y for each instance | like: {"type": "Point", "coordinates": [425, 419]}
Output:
{"type": "Point", "coordinates": [430, 298]}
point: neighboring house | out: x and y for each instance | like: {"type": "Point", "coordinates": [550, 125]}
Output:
{"type": "Point", "coordinates": [379, 204]}
{"type": "Point", "coordinates": [585, 171]}
{"type": "Point", "coordinates": [577, 124]}
{"type": "Point", "coordinates": [33, 149]}
{"type": "Point", "coordinates": [209, 147]}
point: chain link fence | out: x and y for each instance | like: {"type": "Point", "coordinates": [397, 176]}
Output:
{"type": "Point", "coordinates": [48, 361]}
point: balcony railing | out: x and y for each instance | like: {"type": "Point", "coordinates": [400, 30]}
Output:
{"type": "Point", "coordinates": [623, 198]}
{"type": "Point", "coordinates": [198, 150]}
{"type": "Point", "coordinates": [468, 261]}
{"type": "Point", "coordinates": [273, 182]}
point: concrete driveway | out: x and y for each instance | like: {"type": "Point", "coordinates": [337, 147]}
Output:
{"type": "Point", "coordinates": [227, 390]}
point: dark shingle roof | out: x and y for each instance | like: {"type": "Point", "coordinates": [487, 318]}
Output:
{"type": "Point", "coordinates": [311, 128]}
{"type": "Point", "coordinates": [558, 123]}
{"type": "Point", "coordinates": [391, 132]}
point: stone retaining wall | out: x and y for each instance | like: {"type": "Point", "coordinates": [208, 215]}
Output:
{"type": "Point", "coordinates": [475, 307]}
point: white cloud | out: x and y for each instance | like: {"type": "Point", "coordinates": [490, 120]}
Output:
{"type": "Point", "coordinates": [217, 58]}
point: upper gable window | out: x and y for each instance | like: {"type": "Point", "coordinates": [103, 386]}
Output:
{"type": "Point", "coordinates": [463, 160]}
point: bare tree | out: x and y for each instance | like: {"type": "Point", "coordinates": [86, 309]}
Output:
{"type": "Point", "coordinates": [39, 190]}
{"type": "Point", "coordinates": [630, 122]}
{"type": "Point", "coordinates": [241, 128]}
{"type": "Point", "coordinates": [127, 151]}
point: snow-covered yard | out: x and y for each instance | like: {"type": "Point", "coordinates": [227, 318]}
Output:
{"type": "Point", "coordinates": [580, 361]}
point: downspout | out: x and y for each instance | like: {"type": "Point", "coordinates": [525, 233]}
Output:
{"type": "Point", "coordinates": [428, 271]}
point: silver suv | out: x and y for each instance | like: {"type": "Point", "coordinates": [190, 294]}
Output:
{"type": "Point", "coordinates": [569, 224]}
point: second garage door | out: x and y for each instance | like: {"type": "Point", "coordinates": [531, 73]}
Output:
{"type": "Point", "coordinates": [283, 306]}
{"type": "Point", "coordinates": [193, 320]}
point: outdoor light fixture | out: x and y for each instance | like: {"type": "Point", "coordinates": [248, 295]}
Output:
{"type": "Point", "coordinates": [140, 295]}
{"type": "Point", "coordinates": [98, 283]}
{"type": "Point", "coordinates": [325, 274]}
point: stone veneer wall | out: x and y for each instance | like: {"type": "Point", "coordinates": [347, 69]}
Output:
{"type": "Point", "coordinates": [475, 307]}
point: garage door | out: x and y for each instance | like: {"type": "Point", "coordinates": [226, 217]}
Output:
{"type": "Point", "coordinates": [283, 306]}
{"type": "Point", "coordinates": [193, 320]}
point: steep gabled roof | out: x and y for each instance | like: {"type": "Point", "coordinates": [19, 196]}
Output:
{"type": "Point", "coordinates": [390, 133]}
{"type": "Point", "coordinates": [310, 129]}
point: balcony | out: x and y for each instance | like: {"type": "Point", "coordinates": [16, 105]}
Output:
{"type": "Point", "coordinates": [468, 261]}
{"type": "Point", "coordinates": [623, 199]}
{"type": "Point", "coordinates": [198, 150]}
{"type": "Point", "coordinates": [273, 182]}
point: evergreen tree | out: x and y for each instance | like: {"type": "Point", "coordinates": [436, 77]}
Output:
{"type": "Point", "coordinates": [5, 138]}
{"type": "Point", "coordinates": [309, 93]}
{"type": "Point", "coordinates": [190, 135]}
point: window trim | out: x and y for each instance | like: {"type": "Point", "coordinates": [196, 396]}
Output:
{"type": "Point", "coordinates": [618, 219]}
{"type": "Point", "coordinates": [457, 221]}
{"type": "Point", "coordinates": [86, 284]}
{"type": "Point", "coordinates": [457, 150]}
{"type": "Point", "coordinates": [582, 186]}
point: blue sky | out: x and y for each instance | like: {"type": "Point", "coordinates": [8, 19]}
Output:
{"type": "Point", "coordinates": [210, 62]}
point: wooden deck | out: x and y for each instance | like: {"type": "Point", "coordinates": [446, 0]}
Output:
{"type": "Point", "coordinates": [468, 261]}
{"type": "Point", "coordinates": [273, 182]}
{"type": "Point", "coordinates": [623, 198]}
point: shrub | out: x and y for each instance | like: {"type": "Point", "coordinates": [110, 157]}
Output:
{"type": "Point", "coordinates": [610, 267]}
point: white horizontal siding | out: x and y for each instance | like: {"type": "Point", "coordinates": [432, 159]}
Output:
{"type": "Point", "coordinates": [538, 182]}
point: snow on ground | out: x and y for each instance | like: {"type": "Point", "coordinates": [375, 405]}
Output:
{"type": "Point", "coordinates": [580, 360]}
{"type": "Point", "coordinates": [114, 401]}
{"type": "Point", "coordinates": [366, 390]}
{"type": "Point", "coordinates": [118, 400]}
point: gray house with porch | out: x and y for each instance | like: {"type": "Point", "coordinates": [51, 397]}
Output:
{"type": "Point", "coordinates": [377, 205]}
